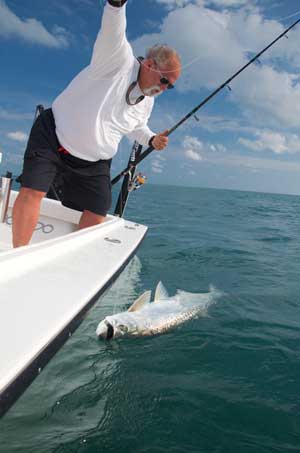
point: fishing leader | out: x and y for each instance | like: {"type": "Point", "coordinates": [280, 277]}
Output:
{"type": "Point", "coordinates": [80, 134]}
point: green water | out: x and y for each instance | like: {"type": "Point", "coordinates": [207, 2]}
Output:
{"type": "Point", "coordinates": [225, 383]}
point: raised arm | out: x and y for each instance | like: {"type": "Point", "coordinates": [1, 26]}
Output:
{"type": "Point", "coordinates": [112, 52]}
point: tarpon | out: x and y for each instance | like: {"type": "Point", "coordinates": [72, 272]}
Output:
{"type": "Point", "coordinates": [145, 318]}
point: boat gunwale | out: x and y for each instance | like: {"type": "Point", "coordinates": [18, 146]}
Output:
{"type": "Point", "coordinates": [15, 388]}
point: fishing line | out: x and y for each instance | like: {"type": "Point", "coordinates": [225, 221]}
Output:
{"type": "Point", "coordinates": [195, 59]}
{"type": "Point", "coordinates": [288, 17]}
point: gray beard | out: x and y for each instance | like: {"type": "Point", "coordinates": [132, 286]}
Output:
{"type": "Point", "coordinates": [153, 91]}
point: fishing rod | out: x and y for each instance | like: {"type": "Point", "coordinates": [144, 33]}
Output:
{"type": "Point", "coordinates": [130, 182]}
{"type": "Point", "coordinates": [192, 112]}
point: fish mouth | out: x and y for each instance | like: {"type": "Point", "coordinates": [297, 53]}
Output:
{"type": "Point", "coordinates": [105, 330]}
{"type": "Point", "coordinates": [110, 331]}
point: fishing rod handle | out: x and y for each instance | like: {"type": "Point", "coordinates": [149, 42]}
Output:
{"type": "Point", "coordinates": [144, 154]}
{"type": "Point", "coordinates": [127, 169]}
{"type": "Point", "coordinates": [120, 175]}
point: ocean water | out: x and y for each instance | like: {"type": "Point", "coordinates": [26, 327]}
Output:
{"type": "Point", "coordinates": [228, 382]}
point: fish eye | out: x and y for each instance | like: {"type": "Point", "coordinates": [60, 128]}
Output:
{"type": "Point", "coordinates": [123, 328]}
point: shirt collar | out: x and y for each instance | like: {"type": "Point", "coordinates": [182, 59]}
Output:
{"type": "Point", "coordinates": [134, 94]}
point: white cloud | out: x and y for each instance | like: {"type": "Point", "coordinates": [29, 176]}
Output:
{"type": "Point", "coordinates": [192, 146]}
{"type": "Point", "coordinates": [30, 29]}
{"type": "Point", "coordinates": [204, 44]}
{"type": "Point", "coordinates": [193, 155]}
{"type": "Point", "coordinates": [171, 4]}
{"type": "Point", "coordinates": [18, 136]}
{"type": "Point", "coordinates": [217, 147]}
{"type": "Point", "coordinates": [159, 156]}
{"type": "Point", "coordinates": [269, 95]}
{"type": "Point", "coordinates": [227, 3]}
{"type": "Point", "coordinates": [221, 148]}
{"type": "Point", "coordinates": [157, 165]}
{"type": "Point", "coordinates": [192, 142]}
{"type": "Point", "coordinates": [273, 141]}
{"type": "Point", "coordinates": [156, 170]}
{"type": "Point", "coordinates": [215, 44]}
{"type": "Point", "coordinates": [174, 3]}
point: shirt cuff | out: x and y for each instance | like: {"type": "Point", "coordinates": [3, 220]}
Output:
{"type": "Point", "coordinates": [117, 3]}
{"type": "Point", "coordinates": [151, 140]}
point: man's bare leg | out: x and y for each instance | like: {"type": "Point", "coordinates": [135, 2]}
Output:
{"type": "Point", "coordinates": [25, 215]}
{"type": "Point", "coordinates": [88, 219]}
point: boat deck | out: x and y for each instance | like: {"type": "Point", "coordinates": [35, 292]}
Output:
{"type": "Point", "coordinates": [5, 237]}
{"type": "Point", "coordinates": [55, 221]}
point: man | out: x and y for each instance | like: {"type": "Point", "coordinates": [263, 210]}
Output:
{"type": "Point", "coordinates": [110, 98]}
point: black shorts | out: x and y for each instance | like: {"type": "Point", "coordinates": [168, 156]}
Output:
{"type": "Point", "coordinates": [86, 184]}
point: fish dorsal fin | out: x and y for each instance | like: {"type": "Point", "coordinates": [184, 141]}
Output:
{"type": "Point", "coordinates": [160, 292]}
{"type": "Point", "coordinates": [141, 301]}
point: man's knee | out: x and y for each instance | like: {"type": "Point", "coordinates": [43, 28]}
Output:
{"type": "Point", "coordinates": [92, 217]}
{"type": "Point", "coordinates": [89, 218]}
{"type": "Point", "coordinates": [27, 195]}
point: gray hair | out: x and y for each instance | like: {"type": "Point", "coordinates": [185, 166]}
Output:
{"type": "Point", "coordinates": [162, 54]}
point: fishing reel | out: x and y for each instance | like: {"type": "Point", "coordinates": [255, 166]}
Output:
{"type": "Point", "coordinates": [137, 182]}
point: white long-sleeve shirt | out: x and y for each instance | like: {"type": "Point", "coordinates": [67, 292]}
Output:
{"type": "Point", "coordinates": [91, 114]}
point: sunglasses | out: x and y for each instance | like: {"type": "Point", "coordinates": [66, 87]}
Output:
{"type": "Point", "coordinates": [164, 81]}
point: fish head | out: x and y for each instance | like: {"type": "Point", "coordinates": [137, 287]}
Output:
{"type": "Point", "coordinates": [111, 328]}
{"type": "Point", "coordinates": [105, 330]}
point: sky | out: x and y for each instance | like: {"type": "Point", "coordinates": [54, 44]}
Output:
{"type": "Point", "coordinates": [246, 138]}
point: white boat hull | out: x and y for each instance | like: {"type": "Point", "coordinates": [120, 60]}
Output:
{"type": "Point", "coordinates": [47, 287]}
